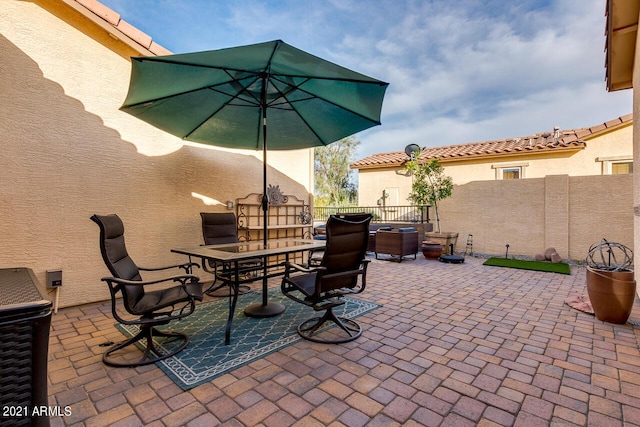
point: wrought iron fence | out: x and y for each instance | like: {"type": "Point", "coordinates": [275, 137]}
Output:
{"type": "Point", "coordinates": [403, 214]}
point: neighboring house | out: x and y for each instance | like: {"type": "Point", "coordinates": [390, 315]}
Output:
{"type": "Point", "coordinates": [621, 73]}
{"type": "Point", "coordinates": [68, 152]}
{"type": "Point", "coordinates": [604, 149]}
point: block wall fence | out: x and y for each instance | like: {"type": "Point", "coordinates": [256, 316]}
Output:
{"type": "Point", "coordinates": [565, 212]}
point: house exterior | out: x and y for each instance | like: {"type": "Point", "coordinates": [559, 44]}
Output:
{"type": "Point", "coordinates": [622, 53]}
{"type": "Point", "coordinates": [604, 149]}
{"type": "Point", "coordinates": [68, 152]}
{"type": "Point", "coordinates": [560, 189]}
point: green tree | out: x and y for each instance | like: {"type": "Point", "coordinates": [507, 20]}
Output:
{"type": "Point", "coordinates": [429, 185]}
{"type": "Point", "coordinates": [333, 178]}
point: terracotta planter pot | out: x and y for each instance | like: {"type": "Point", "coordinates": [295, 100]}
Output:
{"type": "Point", "coordinates": [612, 294]}
{"type": "Point", "coordinates": [431, 250]}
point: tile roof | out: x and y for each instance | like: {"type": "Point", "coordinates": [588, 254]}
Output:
{"type": "Point", "coordinates": [117, 27]}
{"type": "Point", "coordinates": [558, 140]}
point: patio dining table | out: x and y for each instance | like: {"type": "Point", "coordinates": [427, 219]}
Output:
{"type": "Point", "coordinates": [235, 253]}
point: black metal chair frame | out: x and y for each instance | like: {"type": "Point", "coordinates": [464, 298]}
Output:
{"type": "Point", "coordinates": [224, 271]}
{"type": "Point", "coordinates": [322, 287]}
{"type": "Point", "coordinates": [173, 304]}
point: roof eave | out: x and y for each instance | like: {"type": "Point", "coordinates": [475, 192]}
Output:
{"type": "Point", "coordinates": [452, 159]}
{"type": "Point", "coordinates": [378, 166]}
{"type": "Point", "coordinates": [151, 49]}
{"type": "Point", "coordinates": [621, 33]}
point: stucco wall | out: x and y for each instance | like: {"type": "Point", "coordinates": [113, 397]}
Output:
{"type": "Point", "coordinates": [636, 148]}
{"type": "Point", "coordinates": [568, 213]}
{"type": "Point", "coordinates": [68, 152]}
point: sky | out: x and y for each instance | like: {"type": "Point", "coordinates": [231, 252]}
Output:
{"type": "Point", "coordinates": [458, 71]}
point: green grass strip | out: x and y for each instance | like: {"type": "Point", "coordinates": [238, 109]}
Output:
{"type": "Point", "coordinates": [553, 267]}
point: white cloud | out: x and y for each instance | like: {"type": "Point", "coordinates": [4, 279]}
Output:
{"type": "Point", "coordinates": [459, 71]}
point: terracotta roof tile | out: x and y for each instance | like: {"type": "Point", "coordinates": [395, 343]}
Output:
{"type": "Point", "coordinates": [541, 142]}
{"type": "Point", "coordinates": [126, 29]}
{"type": "Point", "coordinates": [134, 34]}
{"type": "Point", "coordinates": [101, 10]}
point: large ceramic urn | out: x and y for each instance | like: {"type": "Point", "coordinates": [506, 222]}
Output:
{"type": "Point", "coordinates": [430, 249]}
{"type": "Point", "coordinates": [612, 294]}
{"type": "Point", "coordinates": [610, 281]}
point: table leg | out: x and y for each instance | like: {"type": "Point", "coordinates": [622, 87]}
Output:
{"type": "Point", "coordinates": [235, 286]}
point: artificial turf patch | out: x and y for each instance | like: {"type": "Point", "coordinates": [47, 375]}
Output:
{"type": "Point", "coordinates": [553, 267]}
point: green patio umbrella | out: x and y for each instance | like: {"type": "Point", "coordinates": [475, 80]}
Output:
{"type": "Point", "coordinates": [232, 97]}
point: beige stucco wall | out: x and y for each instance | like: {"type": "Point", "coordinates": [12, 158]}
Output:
{"type": "Point", "coordinates": [636, 151]}
{"type": "Point", "coordinates": [560, 211]}
{"type": "Point", "coordinates": [68, 152]}
{"type": "Point", "coordinates": [616, 143]}
{"type": "Point", "coordinates": [569, 213]}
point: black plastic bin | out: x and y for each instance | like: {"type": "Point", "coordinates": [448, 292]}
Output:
{"type": "Point", "coordinates": [24, 348]}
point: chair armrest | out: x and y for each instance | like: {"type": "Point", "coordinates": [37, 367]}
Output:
{"type": "Point", "coordinates": [180, 278]}
{"type": "Point", "coordinates": [185, 266]}
{"type": "Point", "coordinates": [297, 267]}
{"type": "Point", "coordinates": [349, 273]}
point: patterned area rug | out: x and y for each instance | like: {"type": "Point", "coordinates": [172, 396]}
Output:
{"type": "Point", "coordinates": [206, 357]}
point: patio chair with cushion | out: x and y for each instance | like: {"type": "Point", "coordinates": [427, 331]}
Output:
{"type": "Point", "coordinates": [324, 286]}
{"type": "Point", "coordinates": [218, 229]}
{"type": "Point", "coordinates": [150, 308]}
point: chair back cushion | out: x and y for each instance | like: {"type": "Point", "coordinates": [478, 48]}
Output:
{"type": "Point", "coordinates": [354, 216]}
{"type": "Point", "coordinates": [219, 228]}
{"type": "Point", "coordinates": [346, 246]}
{"type": "Point", "coordinates": [115, 255]}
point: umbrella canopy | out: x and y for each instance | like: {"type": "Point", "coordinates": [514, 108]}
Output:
{"type": "Point", "coordinates": [220, 97]}
{"type": "Point", "coordinates": [231, 97]}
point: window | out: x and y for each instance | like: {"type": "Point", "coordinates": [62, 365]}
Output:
{"type": "Point", "coordinates": [510, 171]}
{"type": "Point", "coordinates": [616, 165]}
{"type": "Point", "coordinates": [621, 168]}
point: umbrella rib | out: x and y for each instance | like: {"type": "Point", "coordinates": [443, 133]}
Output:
{"type": "Point", "coordinates": [293, 108]}
{"type": "Point", "coordinates": [211, 87]}
{"type": "Point", "coordinates": [313, 96]}
{"type": "Point", "coordinates": [235, 96]}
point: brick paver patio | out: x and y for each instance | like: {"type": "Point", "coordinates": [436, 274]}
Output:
{"type": "Point", "coordinates": [453, 345]}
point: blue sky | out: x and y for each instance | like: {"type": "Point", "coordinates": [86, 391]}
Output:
{"type": "Point", "coordinates": [459, 71]}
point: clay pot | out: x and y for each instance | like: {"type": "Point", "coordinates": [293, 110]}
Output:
{"type": "Point", "coordinates": [611, 293]}
{"type": "Point", "coordinates": [430, 249]}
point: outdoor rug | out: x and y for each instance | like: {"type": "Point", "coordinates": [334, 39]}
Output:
{"type": "Point", "coordinates": [553, 267]}
{"type": "Point", "coordinates": [206, 357]}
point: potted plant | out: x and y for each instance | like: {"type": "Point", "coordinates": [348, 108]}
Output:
{"type": "Point", "coordinates": [610, 281]}
{"type": "Point", "coordinates": [429, 186]}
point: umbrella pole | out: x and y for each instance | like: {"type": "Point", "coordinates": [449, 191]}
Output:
{"type": "Point", "coordinates": [264, 309]}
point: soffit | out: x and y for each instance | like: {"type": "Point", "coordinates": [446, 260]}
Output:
{"type": "Point", "coordinates": [621, 33]}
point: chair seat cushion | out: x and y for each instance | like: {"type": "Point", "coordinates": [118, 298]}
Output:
{"type": "Point", "coordinates": [305, 283]}
{"type": "Point", "coordinates": [159, 299]}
